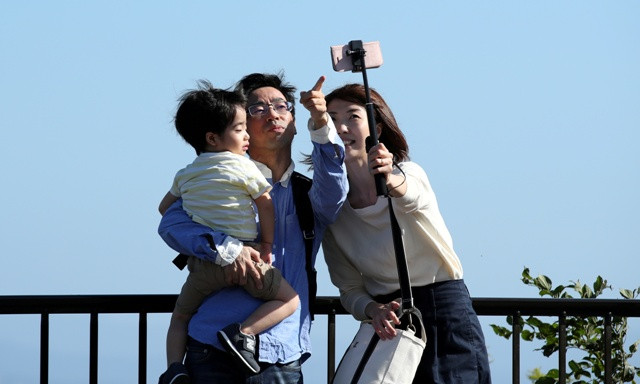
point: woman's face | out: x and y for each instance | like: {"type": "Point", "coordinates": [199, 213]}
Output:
{"type": "Point", "coordinates": [350, 120]}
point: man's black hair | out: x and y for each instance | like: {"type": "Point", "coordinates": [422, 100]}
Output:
{"type": "Point", "coordinates": [251, 82]}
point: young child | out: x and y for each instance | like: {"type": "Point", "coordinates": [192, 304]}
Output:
{"type": "Point", "coordinates": [217, 190]}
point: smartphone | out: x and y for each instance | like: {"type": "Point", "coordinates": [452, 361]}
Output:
{"type": "Point", "coordinates": [342, 61]}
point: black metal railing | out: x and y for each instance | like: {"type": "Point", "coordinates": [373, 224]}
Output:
{"type": "Point", "coordinates": [143, 305]}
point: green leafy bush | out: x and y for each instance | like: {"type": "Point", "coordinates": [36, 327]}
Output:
{"type": "Point", "coordinates": [584, 334]}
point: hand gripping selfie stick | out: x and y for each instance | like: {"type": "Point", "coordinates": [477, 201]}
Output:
{"type": "Point", "coordinates": [357, 54]}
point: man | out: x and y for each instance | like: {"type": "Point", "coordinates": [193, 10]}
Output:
{"type": "Point", "coordinates": [283, 348]}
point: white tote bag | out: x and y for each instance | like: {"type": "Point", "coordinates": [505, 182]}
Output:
{"type": "Point", "coordinates": [369, 360]}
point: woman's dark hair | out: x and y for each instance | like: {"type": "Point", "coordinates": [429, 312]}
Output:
{"type": "Point", "coordinates": [390, 134]}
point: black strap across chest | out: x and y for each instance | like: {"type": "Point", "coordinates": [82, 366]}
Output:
{"type": "Point", "coordinates": [300, 185]}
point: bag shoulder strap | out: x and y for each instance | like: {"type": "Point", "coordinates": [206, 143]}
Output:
{"type": "Point", "coordinates": [301, 185]}
{"type": "Point", "coordinates": [401, 261]}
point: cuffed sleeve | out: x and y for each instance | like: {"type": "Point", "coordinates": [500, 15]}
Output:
{"type": "Point", "coordinates": [190, 238]}
{"type": "Point", "coordinates": [325, 134]}
{"type": "Point", "coordinates": [228, 251]}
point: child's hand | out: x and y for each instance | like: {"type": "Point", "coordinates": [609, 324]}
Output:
{"type": "Point", "coordinates": [265, 253]}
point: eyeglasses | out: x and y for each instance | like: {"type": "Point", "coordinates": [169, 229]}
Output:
{"type": "Point", "coordinates": [261, 109]}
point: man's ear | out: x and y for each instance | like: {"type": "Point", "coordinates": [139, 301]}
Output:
{"type": "Point", "coordinates": [292, 125]}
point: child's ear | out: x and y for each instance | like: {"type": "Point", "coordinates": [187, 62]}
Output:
{"type": "Point", "coordinates": [212, 138]}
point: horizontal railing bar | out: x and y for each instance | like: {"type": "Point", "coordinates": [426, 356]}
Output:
{"type": "Point", "coordinates": [556, 307]}
{"type": "Point", "coordinates": [86, 304]}
{"type": "Point", "coordinates": [160, 303]}
{"type": "Point", "coordinates": [143, 303]}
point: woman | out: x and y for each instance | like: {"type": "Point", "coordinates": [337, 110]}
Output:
{"type": "Point", "coordinates": [359, 252]}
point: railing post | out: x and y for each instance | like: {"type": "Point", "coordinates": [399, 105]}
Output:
{"type": "Point", "coordinates": [142, 348]}
{"type": "Point", "coordinates": [608, 366]}
{"type": "Point", "coordinates": [93, 348]}
{"type": "Point", "coordinates": [562, 348]}
{"type": "Point", "coordinates": [44, 348]}
{"type": "Point", "coordinates": [331, 345]}
{"type": "Point", "coordinates": [515, 348]}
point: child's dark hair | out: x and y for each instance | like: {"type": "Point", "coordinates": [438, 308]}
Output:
{"type": "Point", "coordinates": [206, 109]}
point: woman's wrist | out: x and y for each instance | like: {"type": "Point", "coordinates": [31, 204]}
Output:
{"type": "Point", "coordinates": [396, 184]}
{"type": "Point", "coordinates": [370, 309]}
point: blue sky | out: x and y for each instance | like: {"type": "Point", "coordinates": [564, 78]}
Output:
{"type": "Point", "coordinates": [524, 114]}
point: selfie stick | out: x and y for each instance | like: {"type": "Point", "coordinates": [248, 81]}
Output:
{"type": "Point", "coordinates": [357, 54]}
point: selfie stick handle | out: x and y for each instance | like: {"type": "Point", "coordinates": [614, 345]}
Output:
{"type": "Point", "coordinates": [357, 54]}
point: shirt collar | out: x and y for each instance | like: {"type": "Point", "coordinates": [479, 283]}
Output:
{"type": "Point", "coordinates": [266, 172]}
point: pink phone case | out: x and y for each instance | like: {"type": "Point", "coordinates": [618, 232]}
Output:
{"type": "Point", "coordinates": [342, 62]}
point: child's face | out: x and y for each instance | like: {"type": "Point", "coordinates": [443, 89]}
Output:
{"type": "Point", "coordinates": [235, 138]}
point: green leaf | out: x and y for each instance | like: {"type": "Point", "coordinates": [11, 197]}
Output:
{"type": "Point", "coordinates": [534, 322]}
{"type": "Point", "coordinates": [548, 330]}
{"type": "Point", "coordinates": [578, 369]}
{"type": "Point", "coordinates": [548, 350]}
{"type": "Point", "coordinates": [501, 331]}
{"type": "Point", "coordinates": [628, 372]}
{"type": "Point", "coordinates": [543, 283]}
{"type": "Point", "coordinates": [586, 292]}
{"type": "Point", "coordinates": [527, 335]}
{"type": "Point", "coordinates": [599, 284]}
{"type": "Point", "coordinates": [544, 292]}
{"type": "Point", "coordinates": [557, 292]}
{"type": "Point", "coordinates": [535, 374]}
{"type": "Point", "coordinates": [526, 277]}
{"type": "Point", "coordinates": [626, 293]}
{"type": "Point", "coordinates": [554, 373]}
{"type": "Point", "coordinates": [565, 295]}
{"type": "Point", "coordinates": [575, 367]}
{"type": "Point", "coordinates": [576, 285]}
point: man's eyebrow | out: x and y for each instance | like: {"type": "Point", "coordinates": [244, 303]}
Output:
{"type": "Point", "coordinates": [270, 101]}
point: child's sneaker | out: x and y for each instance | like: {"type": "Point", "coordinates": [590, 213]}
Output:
{"type": "Point", "coordinates": [175, 374]}
{"type": "Point", "coordinates": [242, 347]}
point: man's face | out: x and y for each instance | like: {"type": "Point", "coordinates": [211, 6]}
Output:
{"type": "Point", "coordinates": [275, 128]}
